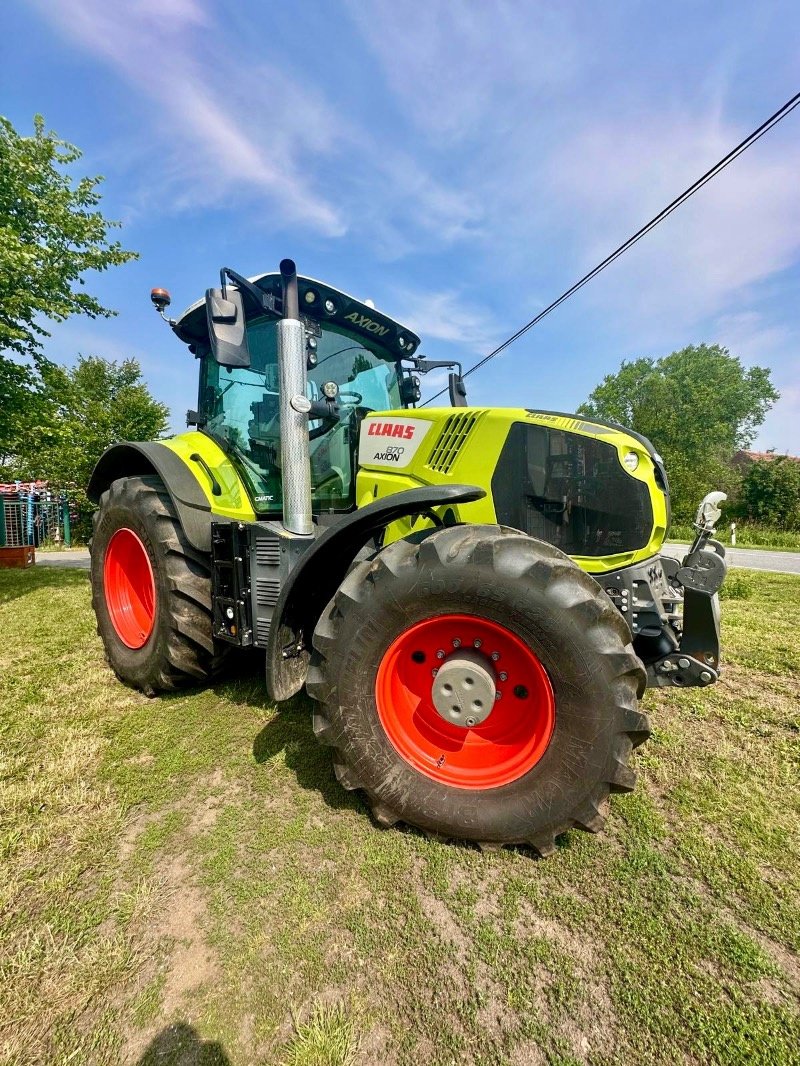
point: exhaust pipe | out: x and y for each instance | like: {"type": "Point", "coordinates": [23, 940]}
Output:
{"type": "Point", "coordinates": [295, 464]}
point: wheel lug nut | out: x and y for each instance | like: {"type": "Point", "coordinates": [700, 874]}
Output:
{"type": "Point", "coordinates": [503, 675]}
{"type": "Point", "coordinates": [477, 643]}
{"type": "Point", "coordinates": [440, 654]}
{"type": "Point", "coordinates": [495, 656]}
{"type": "Point", "coordinates": [434, 671]}
{"type": "Point", "coordinates": [498, 695]}
{"type": "Point", "coordinates": [469, 721]}
{"type": "Point", "coordinates": [456, 642]}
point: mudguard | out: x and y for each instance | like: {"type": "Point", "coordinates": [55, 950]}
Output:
{"type": "Point", "coordinates": [313, 582]}
{"type": "Point", "coordinates": [128, 459]}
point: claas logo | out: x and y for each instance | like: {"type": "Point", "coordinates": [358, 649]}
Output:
{"type": "Point", "coordinates": [390, 429]}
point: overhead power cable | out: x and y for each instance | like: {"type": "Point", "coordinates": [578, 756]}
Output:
{"type": "Point", "coordinates": [751, 139]}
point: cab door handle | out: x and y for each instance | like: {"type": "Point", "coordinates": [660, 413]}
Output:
{"type": "Point", "coordinates": [216, 488]}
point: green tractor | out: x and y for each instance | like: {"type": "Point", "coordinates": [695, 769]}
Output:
{"type": "Point", "coordinates": [474, 598]}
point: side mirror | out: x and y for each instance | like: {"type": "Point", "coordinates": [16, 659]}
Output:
{"type": "Point", "coordinates": [226, 327]}
{"type": "Point", "coordinates": [457, 390]}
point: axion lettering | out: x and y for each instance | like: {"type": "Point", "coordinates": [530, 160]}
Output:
{"type": "Point", "coordinates": [366, 323]}
{"type": "Point", "coordinates": [390, 429]}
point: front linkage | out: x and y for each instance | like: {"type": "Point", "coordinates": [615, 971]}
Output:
{"type": "Point", "coordinates": [672, 606]}
{"type": "Point", "coordinates": [699, 576]}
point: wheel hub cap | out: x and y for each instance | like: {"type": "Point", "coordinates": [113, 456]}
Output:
{"type": "Point", "coordinates": [463, 690]}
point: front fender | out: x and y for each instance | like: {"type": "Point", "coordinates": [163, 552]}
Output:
{"type": "Point", "coordinates": [128, 459]}
{"type": "Point", "coordinates": [322, 568]}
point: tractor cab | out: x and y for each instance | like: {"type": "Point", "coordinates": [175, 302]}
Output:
{"type": "Point", "coordinates": [353, 361]}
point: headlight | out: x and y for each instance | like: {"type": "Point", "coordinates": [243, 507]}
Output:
{"type": "Point", "coordinates": [630, 461]}
{"type": "Point", "coordinates": [330, 390]}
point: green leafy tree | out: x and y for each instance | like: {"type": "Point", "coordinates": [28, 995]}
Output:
{"type": "Point", "coordinates": [771, 492]}
{"type": "Point", "coordinates": [21, 406]}
{"type": "Point", "coordinates": [697, 405]}
{"type": "Point", "coordinates": [50, 235]}
{"type": "Point", "coordinates": [85, 409]}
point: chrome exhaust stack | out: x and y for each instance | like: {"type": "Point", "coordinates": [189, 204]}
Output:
{"type": "Point", "coordinates": [295, 464]}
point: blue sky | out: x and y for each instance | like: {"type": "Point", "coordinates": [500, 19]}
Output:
{"type": "Point", "coordinates": [460, 164]}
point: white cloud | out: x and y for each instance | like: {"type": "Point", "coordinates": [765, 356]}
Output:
{"type": "Point", "coordinates": [228, 121]}
{"type": "Point", "coordinates": [460, 71]}
{"type": "Point", "coordinates": [741, 228]}
{"type": "Point", "coordinates": [210, 151]}
{"type": "Point", "coordinates": [448, 317]}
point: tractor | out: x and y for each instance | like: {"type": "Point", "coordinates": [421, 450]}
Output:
{"type": "Point", "coordinates": [474, 598]}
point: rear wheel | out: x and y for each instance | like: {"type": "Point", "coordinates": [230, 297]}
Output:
{"type": "Point", "coordinates": [151, 590]}
{"type": "Point", "coordinates": [478, 685]}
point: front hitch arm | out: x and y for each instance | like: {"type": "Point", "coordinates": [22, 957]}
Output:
{"type": "Point", "coordinates": [696, 660]}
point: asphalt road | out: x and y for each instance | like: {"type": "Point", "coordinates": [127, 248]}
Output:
{"type": "Point", "coordinates": [751, 558]}
{"type": "Point", "coordinates": [69, 560]}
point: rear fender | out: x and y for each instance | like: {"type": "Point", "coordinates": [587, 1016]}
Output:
{"type": "Point", "coordinates": [129, 460]}
{"type": "Point", "coordinates": [322, 568]}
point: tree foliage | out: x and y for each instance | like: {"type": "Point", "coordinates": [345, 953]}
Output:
{"type": "Point", "coordinates": [77, 413]}
{"type": "Point", "coordinates": [84, 409]}
{"type": "Point", "coordinates": [771, 492]}
{"type": "Point", "coordinates": [697, 405]}
{"type": "Point", "coordinates": [50, 235]}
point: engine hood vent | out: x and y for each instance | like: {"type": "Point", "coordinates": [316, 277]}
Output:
{"type": "Point", "coordinates": [454, 435]}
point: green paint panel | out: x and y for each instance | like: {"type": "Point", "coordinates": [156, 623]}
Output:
{"type": "Point", "coordinates": [233, 501]}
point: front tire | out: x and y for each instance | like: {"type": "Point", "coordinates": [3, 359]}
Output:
{"type": "Point", "coordinates": [542, 758]}
{"type": "Point", "coordinates": [151, 590]}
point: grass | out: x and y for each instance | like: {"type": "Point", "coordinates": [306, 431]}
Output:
{"type": "Point", "coordinates": [184, 881]}
{"type": "Point", "coordinates": [748, 535]}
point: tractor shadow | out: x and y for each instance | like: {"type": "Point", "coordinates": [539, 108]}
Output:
{"type": "Point", "coordinates": [180, 1045]}
{"type": "Point", "coordinates": [290, 732]}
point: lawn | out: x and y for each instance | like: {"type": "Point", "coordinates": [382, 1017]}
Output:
{"type": "Point", "coordinates": [184, 882]}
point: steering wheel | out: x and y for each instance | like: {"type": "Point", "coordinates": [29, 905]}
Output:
{"type": "Point", "coordinates": [356, 397]}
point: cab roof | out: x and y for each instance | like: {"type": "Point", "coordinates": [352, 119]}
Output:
{"type": "Point", "coordinates": [316, 301]}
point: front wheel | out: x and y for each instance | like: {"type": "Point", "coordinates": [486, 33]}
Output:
{"type": "Point", "coordinates": [478, 685]}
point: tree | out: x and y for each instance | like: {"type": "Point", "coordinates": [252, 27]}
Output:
{"type": "Point", "coordinates": [21, 404]}
{"type": "Point", "coordinates": [50, 235]}
{"type": "Point", "coordinates": [697, 405]}
{"type": "Point", "coordinates": [84, 409]}
{"type": "Point", "coordinates": [771, 491]}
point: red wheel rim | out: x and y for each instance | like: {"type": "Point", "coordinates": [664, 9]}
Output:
{"type": "Point", "coordinates": [497, 751]}
{"type": "Point", "coordinates": [129, 588]}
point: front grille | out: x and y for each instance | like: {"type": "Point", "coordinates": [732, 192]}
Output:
{"type": "Point", "coordinates": [262, 631]}
{"type": "Point", "coordinates": [451, 440]}
{"type": "Point", "coordinates": [571, 491]}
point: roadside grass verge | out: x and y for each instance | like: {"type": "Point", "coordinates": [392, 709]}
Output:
{"type": "Point", "coordinates": [748, 535]}
{"type": "Point", "coordinates": [183, 877]}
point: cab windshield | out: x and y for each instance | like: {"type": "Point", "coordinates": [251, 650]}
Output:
{"type": "Point", "coordinates": [241, 409]}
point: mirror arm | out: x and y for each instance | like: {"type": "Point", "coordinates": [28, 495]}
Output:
{"type": "Point", "coordinates": [265, 301]}
{"type": "Point", "coordinates": [424, 365]}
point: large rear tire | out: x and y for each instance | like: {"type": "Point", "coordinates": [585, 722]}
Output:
{"type": "Point", "coordinates": [151, 590]}
{"type": "Point", "coordinates": [540, 759]}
